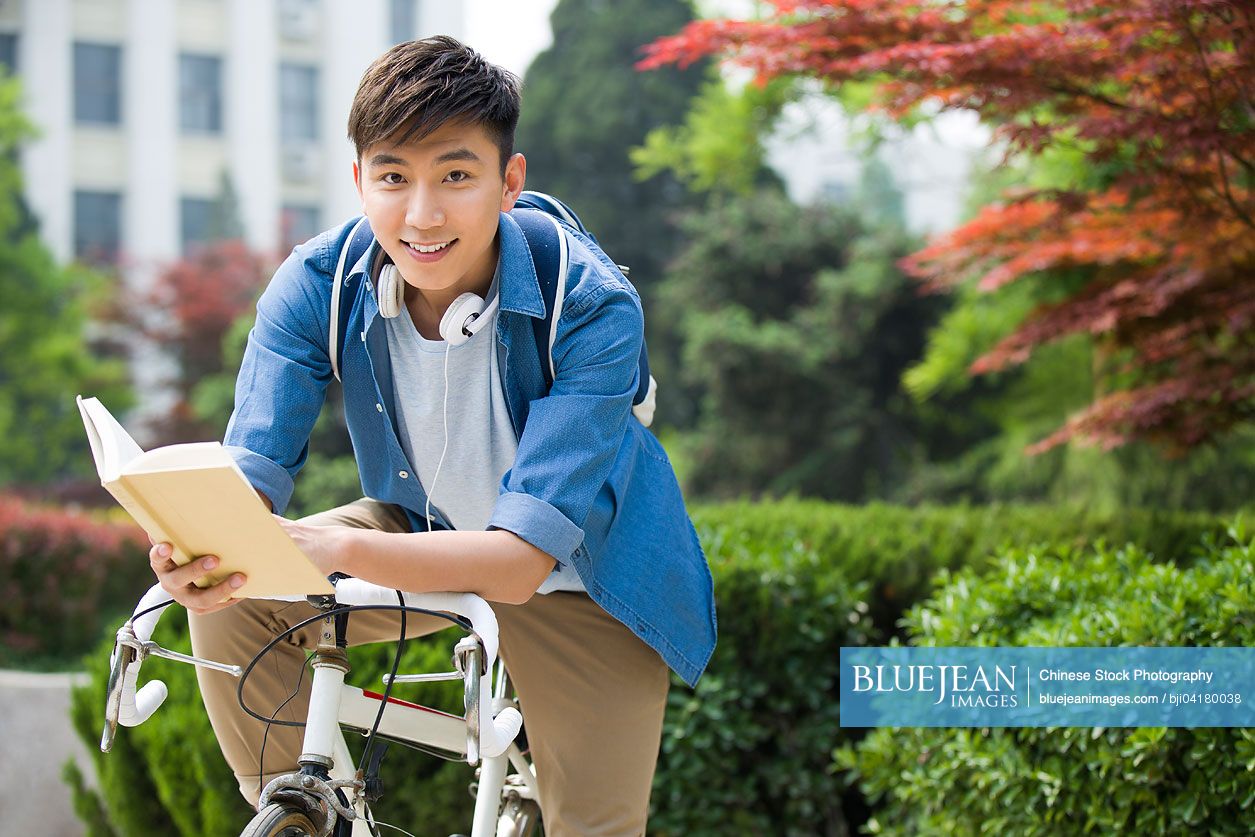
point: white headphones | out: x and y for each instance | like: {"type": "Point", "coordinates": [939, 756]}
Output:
{"type": "Point", "coordinates": [464, 318]}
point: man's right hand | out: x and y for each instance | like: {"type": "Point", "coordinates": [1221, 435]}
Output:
{"type": "Point", "coordinates": [178, 581]}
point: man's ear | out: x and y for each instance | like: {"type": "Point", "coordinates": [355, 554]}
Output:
{"type": "Point", "coordinates": [515, 177]}
{"type": "Point", "coordinates": [357, 181]}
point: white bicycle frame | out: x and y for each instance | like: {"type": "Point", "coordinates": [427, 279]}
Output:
{"type": "Point", "coordinates": [486, 734]}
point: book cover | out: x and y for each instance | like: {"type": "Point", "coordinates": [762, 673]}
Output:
{"type": "Point", "coordinates": [195, 497]}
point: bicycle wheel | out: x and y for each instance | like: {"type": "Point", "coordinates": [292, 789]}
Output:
{"type": "Point", "coordinates": [281, 819]}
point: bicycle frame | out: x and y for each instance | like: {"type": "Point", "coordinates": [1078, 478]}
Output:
{"type": "Point", "coordinates": [326, 764]}
{"type": "Point", "coordinates": [335, 706]}
{"type": "Point", "coordinates": [412, 724]}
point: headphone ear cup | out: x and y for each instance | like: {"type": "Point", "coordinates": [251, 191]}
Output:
{"type": "Point", "coordinates": [453, 323]}
{"type": "Point", "coordinates": [391, 291]}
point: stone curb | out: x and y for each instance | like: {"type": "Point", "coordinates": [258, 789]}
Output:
{"type": "Point", "coordinates": [41, 680]}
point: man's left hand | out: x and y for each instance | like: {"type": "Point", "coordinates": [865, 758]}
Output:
{"type": "Point", "coordinates": [326, 546]}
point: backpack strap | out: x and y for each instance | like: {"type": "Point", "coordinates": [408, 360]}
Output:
{"type": "Point", "coordinates": [554, 207]}
{"type": "Point", "coordinates": [354, 245]}
{"type": "Point", "coordinates": [547, 242]}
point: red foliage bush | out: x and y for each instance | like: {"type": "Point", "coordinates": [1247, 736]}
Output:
{"type": "Point", "coordinates": [67, 574]}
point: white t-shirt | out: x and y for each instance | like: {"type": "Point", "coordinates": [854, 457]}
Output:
{"type": "Point", "coordinates": [481, 441]}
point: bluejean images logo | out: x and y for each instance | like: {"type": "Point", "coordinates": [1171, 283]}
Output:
{"type": "Point", "coordinates": [964, 686]}
{"type": "Point", "coordinates": [1136, 686]}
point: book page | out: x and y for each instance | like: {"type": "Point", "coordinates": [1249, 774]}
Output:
{"type": "Point", "coordinates": [112, 447]}
{"type": "Point", "coordinates": [181, 457]}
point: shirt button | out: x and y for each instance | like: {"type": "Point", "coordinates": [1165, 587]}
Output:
{"type": "Point", "coordinates": [403, 475]}
{"type": "Point", "coordinates": [379, 407]}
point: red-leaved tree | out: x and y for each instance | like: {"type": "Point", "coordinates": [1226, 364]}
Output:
{"type": "Point", "coordinates": [197, 299]}
{"type": "Point", "coordinates": [1158, 97]}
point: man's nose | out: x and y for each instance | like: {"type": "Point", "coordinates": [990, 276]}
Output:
{"type": "Point", "coordinates": [424, 210]}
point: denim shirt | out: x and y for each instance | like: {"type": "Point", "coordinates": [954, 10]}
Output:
{"type": "Point", "coordinates": [590, 485]}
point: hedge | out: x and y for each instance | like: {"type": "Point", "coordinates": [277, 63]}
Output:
{"type": "Point", "coordinates": [1037, 781]}
{"type": "Point", "coordinates": [748, 751]}
{"type": "Point", "coordinates": [68, 574]}
{"type": "Point", "coordinates": [898, 550]}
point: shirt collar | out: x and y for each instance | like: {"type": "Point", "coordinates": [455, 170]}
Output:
{"type": "Point", "coordinates": [520, 286]}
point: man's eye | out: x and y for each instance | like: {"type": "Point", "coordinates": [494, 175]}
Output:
{"type": "Point", "coordinates": [392, 178]}
{"type": "Point", "coordinates": [458, 176]}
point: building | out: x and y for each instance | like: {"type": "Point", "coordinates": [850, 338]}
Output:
{"type": "Point", "coordinates": [167, 123]}
{"type": "Point", "coordinates": [159, 119]}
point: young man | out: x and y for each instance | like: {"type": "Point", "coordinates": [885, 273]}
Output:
{"type": "Point", "coordinates": [554, 503]}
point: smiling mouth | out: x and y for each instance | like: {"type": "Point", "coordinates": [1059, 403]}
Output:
{"type": "Point", "coordinates": [428, 249]}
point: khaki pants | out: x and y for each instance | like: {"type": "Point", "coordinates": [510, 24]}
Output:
{"type": "Point", "coordinates": [591, 692]}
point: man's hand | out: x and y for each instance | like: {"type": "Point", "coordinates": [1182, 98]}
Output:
{"type": "Point", "coordinates": [178, 581]}
{"type": "Point", "coordinates": [326, 546]}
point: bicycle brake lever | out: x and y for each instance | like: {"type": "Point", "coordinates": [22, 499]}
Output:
{"type": "Point", "coordinates": [123, 655]}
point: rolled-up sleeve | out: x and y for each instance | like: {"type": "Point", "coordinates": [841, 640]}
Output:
{"type": "Point", "coordinates": [283, 378]}
{"type": "Point", "coordinates": [573, 434]}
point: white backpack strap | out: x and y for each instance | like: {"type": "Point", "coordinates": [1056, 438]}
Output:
{"type": "Point", "coordinates": [559, 293]}
{"type": "Point", "coordinates": [337, 287]}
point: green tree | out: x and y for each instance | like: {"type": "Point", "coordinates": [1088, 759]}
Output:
{"type": "Point", "coordinates": [585, 108]}
{"type": "Point", "coordinates": [45, 352]}
{"type": "Point", "coordinates": [720, 146]}
{"type": "Point", "coordinates": [794, 325]}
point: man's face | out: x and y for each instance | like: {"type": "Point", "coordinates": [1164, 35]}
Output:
{"type": "Point", "coordinates": [434, 205]}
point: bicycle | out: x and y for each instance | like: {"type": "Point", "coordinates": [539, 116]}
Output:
{"type": "Point", "coordinates": [328, 795]}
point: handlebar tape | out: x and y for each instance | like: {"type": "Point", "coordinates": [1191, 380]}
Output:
{"type": "Point", "coordinates": [138, 706]}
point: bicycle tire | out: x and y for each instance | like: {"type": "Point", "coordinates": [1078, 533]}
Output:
{"type": "Point", "coordinates": [281, 819]}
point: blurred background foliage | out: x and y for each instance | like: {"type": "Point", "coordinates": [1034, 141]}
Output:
{"type": "Point", "coordinates": [48, 335]}
{"type": "Point", "coordinates": [796, 358]}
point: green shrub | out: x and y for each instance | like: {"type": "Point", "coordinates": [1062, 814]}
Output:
{"type": "Point", "coordinates": [749, 751]}
{"type": "Point", "coordinates": [898, 550]}
{"type": "Point", "coordinates": [73, 572]}
{"type": "Point", "coordinates": [1079, 780]}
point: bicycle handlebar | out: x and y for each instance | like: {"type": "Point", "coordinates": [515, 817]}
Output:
{"type": "Point", "coordinates": [133, 706]}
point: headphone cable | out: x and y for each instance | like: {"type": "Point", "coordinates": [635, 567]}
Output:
{"type": "Point", "coordinates": [444, 417]}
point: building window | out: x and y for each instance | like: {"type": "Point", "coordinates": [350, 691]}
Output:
{"type": "Point", "coordinates": [298, 224]}
{"type": "Point", "coordinates": [298, 103]}
{"type": "Point", "coordinates": [8, 52]}
{"type": "Point", "coordinates": [200, 94]}
{"type": "Point", "coordinates": [97, 84]}
{"type": "Point", "coordinates": [97, 227]}
{"type": "Point", "coordinates": [404, 14]}
{"type": "Point", "coordinates": [298, 19]}
{"type": "Point", "coordinates": [196, 218]}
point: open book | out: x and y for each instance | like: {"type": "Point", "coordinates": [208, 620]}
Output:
{"type": "Point", "coordinates": [196, 498]}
